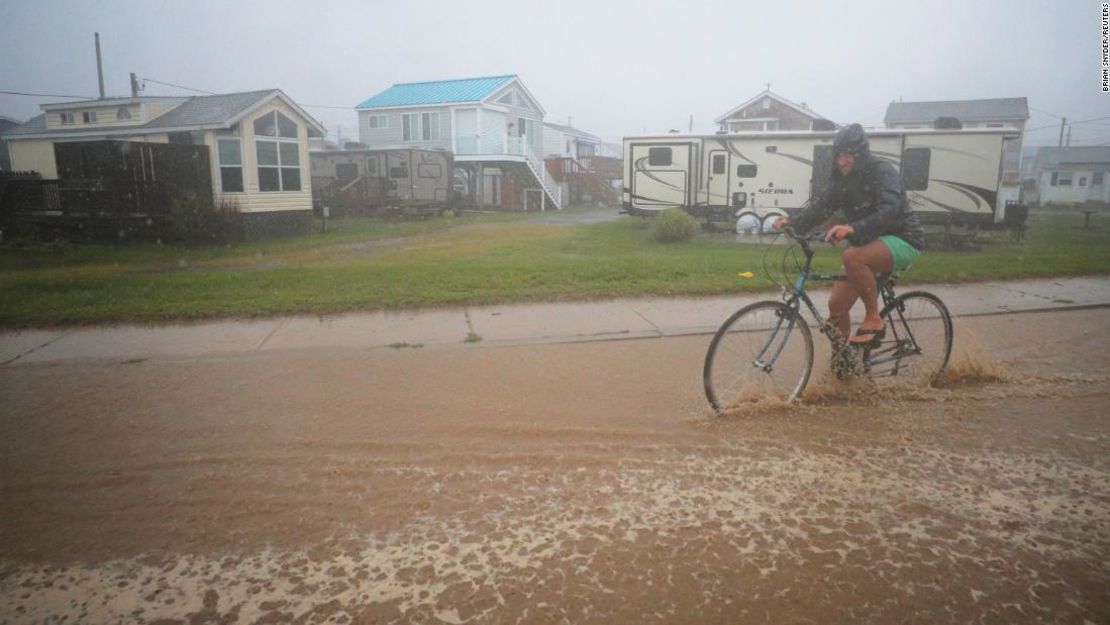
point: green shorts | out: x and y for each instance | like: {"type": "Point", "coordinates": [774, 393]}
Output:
{"type": "Point", "coordinates": [904, 254]}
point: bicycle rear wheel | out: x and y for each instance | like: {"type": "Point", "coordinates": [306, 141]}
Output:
{"type": "Point", "coordinates": [918, 341]}
{"type": "Point", "coordinates": [764, 351]}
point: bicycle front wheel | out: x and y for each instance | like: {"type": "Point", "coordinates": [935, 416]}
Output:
{"type": "Point", "coordinates": [764, 351]}
{"type": "Point", "coordinates": [919, 338]}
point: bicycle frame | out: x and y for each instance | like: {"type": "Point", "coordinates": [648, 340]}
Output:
{"type": "Point", "coordinates": [798, 296]}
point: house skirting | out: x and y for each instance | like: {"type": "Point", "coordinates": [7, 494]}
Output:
{"type": "Point", "coordinates": [258, 226]}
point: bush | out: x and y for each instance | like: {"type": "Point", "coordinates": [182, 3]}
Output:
{"type": "Point", "coordinates": [674, 225]}
{"type": "Point", "coordinates": [198, 220]}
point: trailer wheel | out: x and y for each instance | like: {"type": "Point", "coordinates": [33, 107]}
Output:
{"type": "Point", "coordinates": [748, 222]}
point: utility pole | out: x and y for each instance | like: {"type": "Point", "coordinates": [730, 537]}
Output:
{"type": "Point", "coordinates": [691, 131]}
{"type": "Point", "coordinates": [134, 86]}
{"type": "Point", "coordinates": [99, 66]}
{"type": "Point", "coordinates": [1069, 137]}
{"type": "Point", "coordinates": [1063, 121]}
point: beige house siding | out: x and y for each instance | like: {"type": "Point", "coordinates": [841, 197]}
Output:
{"type": "Point", "coordinates": [105, 118]}
{"type": "Point", "coordinates": [156, 109]}
{"type": "Point", "coordinates": [255, 201]}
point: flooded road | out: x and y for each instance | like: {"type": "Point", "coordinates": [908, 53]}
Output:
{"type": "Point", "coordinates": [570, 483]}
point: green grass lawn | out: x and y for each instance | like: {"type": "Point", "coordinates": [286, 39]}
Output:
{"type": "Point", "coordinates": [365, 264]}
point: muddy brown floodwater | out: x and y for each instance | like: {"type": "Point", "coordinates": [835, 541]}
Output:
{"type": "Point", "coordinates": [574, 483]}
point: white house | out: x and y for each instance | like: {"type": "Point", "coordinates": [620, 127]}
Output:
{"type": "Point", "coordinates": [768, 112]}
{"type": "Point", "coordinates": [990, 113]}
{"type": "Point", "coordinates": [257, 140]}
{"type": "Point", "coordinates": [1072, 175]}
{"type": "Point", "coordinates": [561, 141]}
{"type": "Point", "coordinates": [493, 125]}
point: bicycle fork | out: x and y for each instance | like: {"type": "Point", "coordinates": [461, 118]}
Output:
{"type": "Point", "coordinates": [760, 361]}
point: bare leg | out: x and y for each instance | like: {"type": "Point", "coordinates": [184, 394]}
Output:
{"type": "Point", "coordinates": [841, 300]}
{"type": "Point", "coordinates": [860, 265]}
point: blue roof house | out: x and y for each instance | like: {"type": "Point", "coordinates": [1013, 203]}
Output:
{"type": "Point", "coordinates": [493, 125]}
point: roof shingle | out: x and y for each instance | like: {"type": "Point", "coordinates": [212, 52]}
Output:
{"type": "Point", "coordinates": [963, 110]}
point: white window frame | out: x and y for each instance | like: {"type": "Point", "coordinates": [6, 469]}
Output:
{"type": "Point", "coordinates": [377, 122]}
{"type": "Point", "coordinates": [88, 117]}
{"type": "Point", "coordinates": [413, 127]}
{"type": "Point", "coordinates": [123, 113]}
{"type": "Point", "coordinates": [278, 141]}
{"type": "Point", "coordinates": [221, 166]}
{"type": "Point", "coordinates": [429, 122]}
{"type": "Point", "coordinates": [67, 118]}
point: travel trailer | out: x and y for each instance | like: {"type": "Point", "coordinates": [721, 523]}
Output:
{"type": "Point", "coordinates": [398, 181]}
{"type": "Point", "coordinates": [948, 174]}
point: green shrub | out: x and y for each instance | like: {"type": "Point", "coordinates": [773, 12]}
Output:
{"type": "Point", "coordinates": [674, 225]}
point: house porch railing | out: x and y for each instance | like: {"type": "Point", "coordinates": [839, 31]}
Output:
{"type": "Point", "coordinates": [507, 145]}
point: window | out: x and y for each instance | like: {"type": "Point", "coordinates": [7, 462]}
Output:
{"type": "Point", "coordinates": [1065, 179]}
{"type": "Point", "coordinates": [719, 164]}
{"type": "Point", "coordinates": [1055, 178]}
{"type": "Point", "coordinates": [410, 126]}
{"type": "Point", "coordinates": [430, 124]}
{"type": "Point", "coordinates": [1096, 178]}
{"type": "Point", "coordinates": [346, 172]}
{"type": "Point", "coordinates": [274, 124]}
{"type": "Point", "coordinates": [771, 149]}
{"type": "Point", "coordinates": [229, 154]}
{"type": "Point", "coordinates": [747, 171]}
{"type": "Point", "coordinates": [659, 157]}
{"type": "Point", "coordinates": [279, 157]}
{"type": "Point", "coordinates": [123, 113]}
{"type": "Point", "coordinates": [429, 170]}
{"type": "Point", "coordinates": [89, 117]}
{"type": "Point", "coordinates": [401, 170]}
{"type": "Point", "coordinates": [67, 118]}
{"type": "Point", "coordinates": [915, 168]}
{"type": "Point", "coordinates": [1082, 181]}
{"type": "Point", "coordinates": [375, 122]}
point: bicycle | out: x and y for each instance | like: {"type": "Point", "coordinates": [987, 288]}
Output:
{"type": "Point", "coordinates": [765, 349]}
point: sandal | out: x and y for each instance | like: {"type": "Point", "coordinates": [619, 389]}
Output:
{"type": "Point", "coordinates": [864, 337]}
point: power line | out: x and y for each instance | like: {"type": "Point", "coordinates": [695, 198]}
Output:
{"type": "Point", "coordinates": [48, 95]}
{"type": "Point", "coordinates": [327, 106]}
{"type": "Point", "coordinates": [176, 86]}
{"type": "Point", "coordinates": [1046, 112]}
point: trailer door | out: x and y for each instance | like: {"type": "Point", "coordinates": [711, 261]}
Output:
{"type": "Point", "coordinates": [718, 177]}
{"type": "Point", "coordinates": [661, 174]}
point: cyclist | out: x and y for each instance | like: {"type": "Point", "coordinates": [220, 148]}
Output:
{"type": "Point", "coordinates": [884, 234]}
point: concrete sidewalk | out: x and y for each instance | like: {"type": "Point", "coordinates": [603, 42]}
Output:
{"type": "Point", "coordinates": [495, 325]}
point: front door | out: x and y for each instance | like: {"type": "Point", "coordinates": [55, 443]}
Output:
{"type": "Point", "coordinates": [718, 178]}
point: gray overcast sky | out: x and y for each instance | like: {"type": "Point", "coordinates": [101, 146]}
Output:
{"type": "Point", "coordinates": [617, 68]}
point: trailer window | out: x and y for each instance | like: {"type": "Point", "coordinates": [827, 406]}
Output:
{"type": "Point", "coordinates": [747, 171]}
{"type": "Point", "coordinates": [719, 163]}
{"type": "Point", "coordinates": [426, 170]}
{"type": "Point", "coordinates": [659, 156]}
{"type": "Point", "coordinates": [400, 171]}
{"type": "Point", "coordinates": [915, 168]}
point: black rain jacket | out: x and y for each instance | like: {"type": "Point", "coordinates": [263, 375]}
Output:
{"type": "Point", "coordinates": [871, 197]}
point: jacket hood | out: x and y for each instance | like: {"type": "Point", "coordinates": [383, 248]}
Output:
{"type": "Point", "coordinates": [853, 140]}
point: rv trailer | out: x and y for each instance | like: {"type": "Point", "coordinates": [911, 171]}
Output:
{"type": "Point", "coordinates": [949, 175]}
{"type": "Point", "coordinates": [383, 181]}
